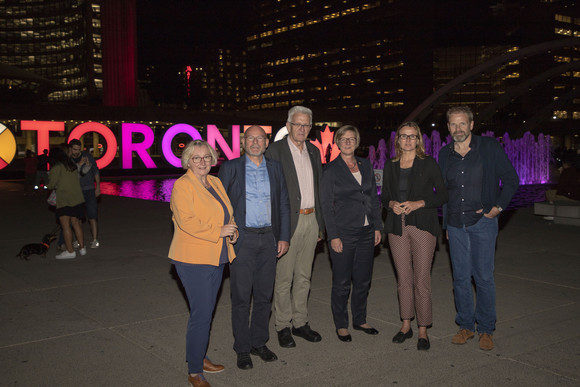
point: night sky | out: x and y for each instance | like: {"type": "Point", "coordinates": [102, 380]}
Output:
{"type": "Point", "coordinates": [174, 32]}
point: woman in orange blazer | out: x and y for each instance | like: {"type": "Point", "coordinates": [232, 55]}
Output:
{"type": "Point", "coordinates": [204, 231]}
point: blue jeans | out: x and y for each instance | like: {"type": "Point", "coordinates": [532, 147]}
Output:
{"type": "Point", "coordinates": [201, 283]}
{"type": "Point", "coordinates": [472, 251]}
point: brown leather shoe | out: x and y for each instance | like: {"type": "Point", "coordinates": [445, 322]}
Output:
{"type": "Point", "coordinates": [197, 381]}
{"type": "Point", "coordinates": [462, 336]}
{"type": "Point", "coordinates": [211, 368]}
{"type": "Point", "coordinates": [485, 341]}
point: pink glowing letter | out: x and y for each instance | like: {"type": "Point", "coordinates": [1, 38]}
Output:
{"type": "Point", "coordinates": [168, 137]}
{"type": "Point", "coordinates": [140, 148]}
{"type": "Point", "coordinates": [214, 135]}
{"type": "Point", "coordinates": [42, 128]}
{"type": "Point", "coordinates": [104, 131]}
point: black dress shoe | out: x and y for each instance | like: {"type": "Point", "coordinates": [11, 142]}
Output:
{"type": "Point", "coordinates": [345, 338]}
{"type": "Point", "coordinates": [285, 338]}
{"type": "Point", "coordinates": [307, 334]}
{"type": "Point", "coordinates": [401, 337]}
{"type": "Point", "coordinates": [368, 331]}
{"type": "Point", "coordinates": [264, 353]}
{"type": "Point", "coordinates": [245, 361]}
{"type": "Point", "coordinates": [423, 344]}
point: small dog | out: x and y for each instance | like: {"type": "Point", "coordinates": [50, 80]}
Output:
{"type": "Point", "coordinates": [37, 248]}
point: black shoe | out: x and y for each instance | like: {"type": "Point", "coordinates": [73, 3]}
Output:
{"type": "Point", "coordinates": [368, 331]}
{"type": "Point", "coordinates": [423, 344]}
{"type": "Point", "coordinates": [285, 338]}
{"type": "Point", "coordinates": [245, 361]}
{"type": "Point", "coordinates": [307, 334]}
{"type": "Point", "coordinates": [345, 338]}
{"type": "Point", "coordinates": [264, 353]}
{"type": "Point", "coordinates": [401, 337]}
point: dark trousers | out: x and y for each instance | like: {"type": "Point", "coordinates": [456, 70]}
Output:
{"type": "Point", "coordinates": [354, 264]}
{"type": "Point", "coordinates": [201, 283]}
{"type": "Point", "coordinates": [253, 272]}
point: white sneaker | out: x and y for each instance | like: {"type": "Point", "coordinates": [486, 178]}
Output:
{"type": "Point", "coordinates": [83, 251]}
{"type": "Point", "coordinates": [76, 245]}
{"type": "Point", "coordinates": [66, 255]}
{"type": "Point", "coordinates": [94, 244]}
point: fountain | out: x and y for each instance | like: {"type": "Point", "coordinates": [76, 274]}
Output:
{"type": "Point", "coordinates": [530, 157]}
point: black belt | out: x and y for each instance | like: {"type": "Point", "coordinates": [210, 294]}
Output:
{"type": "Point", "coordinates": [259, 230]}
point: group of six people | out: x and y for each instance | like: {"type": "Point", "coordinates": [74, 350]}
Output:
{"type": "Point", "coordinates": [283, 203]}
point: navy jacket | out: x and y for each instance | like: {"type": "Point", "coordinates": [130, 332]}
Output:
{"type": "Point", "coordinates": [233, 176]}
{"type": "Point", "coordinates": [345, 202]}
{"type": "Point", "coordinates": [496, 167]}
{"type": "Point", "coordinates": [425, 175]}
{"type": "Point", "coordinates": [280, 151]}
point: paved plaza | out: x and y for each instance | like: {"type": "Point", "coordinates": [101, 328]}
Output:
{"type": "Point", "coordinates": [117, 316]}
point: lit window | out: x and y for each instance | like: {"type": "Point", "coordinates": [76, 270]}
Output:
{"type": "Point", "coordinates": [563, 31]}
{"type": "Point", "coordinates": [560, 114]}
{"type": "Point", "coordinates": [562, 59]}
{"type": "Point", "coordinates": [563, 18]}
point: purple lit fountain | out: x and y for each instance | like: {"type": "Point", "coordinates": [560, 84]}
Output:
{"type": "Point", "coordinates": [530, 157]}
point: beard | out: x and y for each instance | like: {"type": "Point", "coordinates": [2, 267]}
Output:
{"type": "Point", "coordinates": [460, 136]}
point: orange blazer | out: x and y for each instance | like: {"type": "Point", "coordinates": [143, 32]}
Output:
{"type": "Point", "coordinates": [198, 218]}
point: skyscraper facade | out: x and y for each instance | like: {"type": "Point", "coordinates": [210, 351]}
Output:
{"type": "Point", "coordinates": [59, 40]}
{"type": "Point", "coordinates": [374, 62]}
{"type": "Point", "coordinates": [352, 56]}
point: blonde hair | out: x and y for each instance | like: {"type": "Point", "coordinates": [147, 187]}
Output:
{"type": "Point", "coordinates": [188, 151]}
{"type": "Point", "coordinates": [420, 149]}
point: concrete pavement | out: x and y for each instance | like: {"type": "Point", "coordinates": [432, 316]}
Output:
{"type": "Point", "coordinates": [117, 316]}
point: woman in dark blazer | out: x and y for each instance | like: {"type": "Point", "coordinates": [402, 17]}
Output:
{"type": "Point", "coordinates": [412, 190]}
{"type": "Point", "coordinates": [351, 210]}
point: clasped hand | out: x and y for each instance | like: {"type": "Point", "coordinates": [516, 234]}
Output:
{"type": "Point", "coordinates": [230, 231]}
{"type": "Point", "coordinates": [407, 207]}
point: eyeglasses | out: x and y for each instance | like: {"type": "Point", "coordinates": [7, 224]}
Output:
{"type": "Point", "coordinates": [349, 140]}
{"type": "Point", "coordinates": [197, 159]}
{"type": "Point", "coordinates": [256, 138]}
{"type": "Point", "coordinates": [303, 126]}
{"type": "Point", "coordinates": [408, 136]}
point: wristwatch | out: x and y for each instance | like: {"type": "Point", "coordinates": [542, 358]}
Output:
{"type": "Point", "coordinates": [499, 208]}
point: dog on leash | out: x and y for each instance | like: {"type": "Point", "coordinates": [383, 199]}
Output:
{"type": "Point", "coordinates": [37, 248]}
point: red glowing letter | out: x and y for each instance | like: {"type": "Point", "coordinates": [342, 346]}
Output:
{"type": "Point", "coordinates": [42, 127]}
{"type": "Point", "coordinates": [104, 131]}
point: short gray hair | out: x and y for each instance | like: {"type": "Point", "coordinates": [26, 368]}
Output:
{"type": "Point", "coordinates": [460, 110]}
{"type": "Point", "coordinates": [300, 110]}
{"type": "Point", "coordinates": [188, 151]}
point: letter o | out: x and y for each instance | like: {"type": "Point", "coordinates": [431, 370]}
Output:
{"type": "Point", "coordinates": [168, 137]}
{"type": "Point", "coordinates": [104, 131]}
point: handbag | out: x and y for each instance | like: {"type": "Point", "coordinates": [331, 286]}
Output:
{"type": "Point", "coordinates": [52, 198]}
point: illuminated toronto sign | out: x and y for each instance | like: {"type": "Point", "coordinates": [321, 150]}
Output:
{"type": "Point", "coordinates": [129, 148]}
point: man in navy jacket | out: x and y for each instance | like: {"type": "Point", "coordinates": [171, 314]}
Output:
{"type": "Point", "coordinates": [257, 191]}
{"type": "Point", "coordinates": [472, 168]}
